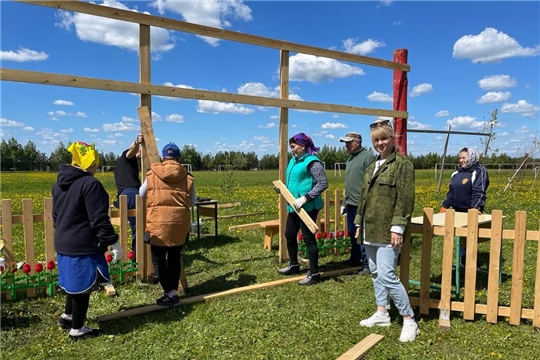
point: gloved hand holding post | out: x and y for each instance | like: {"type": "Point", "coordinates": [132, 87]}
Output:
{"type": "Point", "coordinates": [117, 252]}
{"type": "Point", "coordinates": [342, 209]}
{"type": "Point", "coordinates": [298, 203]}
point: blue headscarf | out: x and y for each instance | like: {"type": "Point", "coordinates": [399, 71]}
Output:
{"type": "Point", "coordinates": [305, 141]}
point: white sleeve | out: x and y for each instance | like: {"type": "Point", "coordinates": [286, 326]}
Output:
{"type": "Point", "coordinates": [142, 189]}
{"type": "Point", "coordinates": [398, 229]}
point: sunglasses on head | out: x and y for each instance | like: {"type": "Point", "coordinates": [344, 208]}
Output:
{"type": "Point", "coordinates": [380, 123]}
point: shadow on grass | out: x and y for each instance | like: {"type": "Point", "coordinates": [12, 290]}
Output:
{"type": "Point", "coordinates": [11, 320]}
{"type": "Point", "coordinates": [206, 242]}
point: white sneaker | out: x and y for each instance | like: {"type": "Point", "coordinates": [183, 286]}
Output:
{"type": "Point", "coordinates": [409, 332]}
{"type": "Point", "coordinates": [376, 320]}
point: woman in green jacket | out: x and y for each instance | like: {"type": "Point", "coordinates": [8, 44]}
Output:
{"type": "Point", "coordinates": [385, 208]}
{"type": "Point", "coordinates": [306, 180]}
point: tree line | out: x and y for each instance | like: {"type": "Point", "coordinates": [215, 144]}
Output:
{"type": "Point", "coordinates": [18, 157]}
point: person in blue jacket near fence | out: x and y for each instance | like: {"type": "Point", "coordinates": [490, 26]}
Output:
{"type": "Point", "coordinates": [468, 186]}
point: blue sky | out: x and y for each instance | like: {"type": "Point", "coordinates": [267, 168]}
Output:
{"type": "Point", "coordinates": [467, 59]}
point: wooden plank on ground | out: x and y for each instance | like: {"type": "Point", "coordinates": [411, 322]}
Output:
{"type": "Point", "coordinates": [202, 298]}
{"type": "Point", "coordinates": [446, 281]}
{"type": "Point", "coordinates": [290, 199]}
{"type": "Point", "coordinates": [360, 349]}
{"type": "Point", "coordinates": [494, 266]}
{"type": "Point", "coordinates": [471, 265]}
{"type": "Point", "coordinates": [516, 292]}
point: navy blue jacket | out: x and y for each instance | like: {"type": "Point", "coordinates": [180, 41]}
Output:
{"type": "Point", "coordinates": [81, 214]}
{"type": "Point", "coordinates": [467, 189]}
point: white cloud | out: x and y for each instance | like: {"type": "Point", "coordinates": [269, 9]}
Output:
{"type": "Point", "coordinates": [380, 97]}
{"type": "Point", "coordinates": [23, 55]}
{"type": "Point", "coordinates": [270, 125]}
{"type": "Point", "coordinates": [130, 119]}
{"type": "Point", "coordinates": [494, 97]}
{"type": "Point", "coordinates": [112, 32]}
{"type": "Point", "coordinates": [421, 89]}
{"type": "Point", "coordinates": [521, 107]}
{"type": "Point", "coordinates": [274, 117]}
{"type": "Point", "coordinates": [91, 130]}
{"type": "Point", "coordinates": [495, 82]}
{"type": "Point", "coordinates": [363, 48]}
{"type": "Point", "coordinates": [386, 2]}
{"type": "Point", "coordinates": [121, 126]}
{"type": "Point", "coordinates": [6, 122]}
{"type": "Point", "coordinates": [63, 103]}
{"type": "Point", "coordinates": [523, 130]}
{"type": "Point", "coordinates": [177, 118]}
{"type": "Point", "coordinates": [54, 119]}
{"type": "Point", "coordinates": [330, 125]}
{"type": "Point", "coordinates": [329, 137]}
{"type": "Point", "coordinates": [442, 113]}
{"type": "Point", "coordinates": [28, 128]}
{"type": "Point", "coordinates": [491, 45]}
{"type": "Point", "coordinates": [214, 107]}
{"type": "Point", "coordinates": [212, 13]}
{"type": "Point", "coordinates": [465, 122]}
{"type": "Point", "coordinates": [315, 69]}
{"type": "Point", "coordinates": [81, 114]}
{"type": "Point", "coordinates": [416, 125]}
{"type": "Point", "coordinates": [257, 89]}
{"type": "Point", "coordinates": [57, 113]}
{"type": "Point", "coordinates": [66, 131]}
{"type": "Point", "coordinates": [155, 117]}
{"type": "Point", "coordinates": [397, 23]}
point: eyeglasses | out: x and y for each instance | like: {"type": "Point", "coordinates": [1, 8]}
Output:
{"type": "Point", "coordinates": [380, 123]}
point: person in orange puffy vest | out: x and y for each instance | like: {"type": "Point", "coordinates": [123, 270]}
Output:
{"type": "Point", "coordinates": [169, 192]}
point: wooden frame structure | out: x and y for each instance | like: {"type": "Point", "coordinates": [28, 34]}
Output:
{"type": "Point", "coordinates": [146, 89]}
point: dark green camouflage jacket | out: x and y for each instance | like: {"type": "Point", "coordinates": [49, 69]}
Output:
{"type": "Point", "coordinates": [387, 198]}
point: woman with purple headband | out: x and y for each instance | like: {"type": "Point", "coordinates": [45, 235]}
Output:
{"type": "Point", "coordinates": [305, 178]}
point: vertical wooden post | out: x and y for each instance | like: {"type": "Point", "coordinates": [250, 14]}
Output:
{"type": "Point", "coordinates": [446, 280]}
{"type": "Point", "coordinates": [400, 101]}
{"type": "Point", "coordinates": [146, 103]}
{"type": "Point", "coordinates": [28, 227]}
{"type": "Point", "coordinates": [283, 149]}
{"type": "Point", "coordinates": [425, 265]}
{"type": "Point", "coordinates": [495, 267]}
{"type": "Point", "coordinates": [516, 292]}
{"type": "Point", "coordinates": [444, 158]}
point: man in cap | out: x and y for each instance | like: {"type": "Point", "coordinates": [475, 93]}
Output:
{"type": "Point", "coordinates": [359, 159]}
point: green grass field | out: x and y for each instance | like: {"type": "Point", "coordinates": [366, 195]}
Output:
{"type": "Point", "coordinates": [284, 322]}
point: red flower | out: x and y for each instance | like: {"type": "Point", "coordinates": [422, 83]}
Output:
{"type": "Point", "coordinates": [347, 234]}
{"type": "Point", "coordinates": [50, 265]}
{"type": "Point", "coordinates": [14, 269]}
{"type": "Point", "coordinates": [109, 258]}
{"type": "Point", "coordinates": [318, 236]}
{"type": "Point", "coordinates": [1, 268]}
{"type": "Point", "coordinates": [324, 235]}
{"type": "Point", "coordinates": [131, 255]}
{"type": "Point", "coordinates": [300, 237]}
{"type": "Point", "coordinates": [331, 235]}
{"type": "Point", "coordinates": [39, 268]}
{"type": "Point", "coordinates": [26, 268]}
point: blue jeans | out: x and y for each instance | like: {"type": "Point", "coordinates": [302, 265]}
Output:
{"type": "Point", "coordinates": [382, 264]}
{"type": "Point", "coordinates": [358, 251]}
{"type": "Point", "coordinates": [131, 193]}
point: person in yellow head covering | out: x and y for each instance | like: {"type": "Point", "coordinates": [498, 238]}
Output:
{"type": "Point", "coordinates": [83, 234]}
{"type": "Point", "coordinates": [84, 156]}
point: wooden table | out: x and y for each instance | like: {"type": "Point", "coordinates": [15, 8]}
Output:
{"type": "Point", "coordinates": [460, 220]}
{"type": "Point", "coordinates": [207, 208]}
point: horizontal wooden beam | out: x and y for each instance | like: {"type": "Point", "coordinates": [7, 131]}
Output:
{"type": "Point", "coordinates": [202, 298]}
{"type": "Point", "coordinates": [35, 77]}
{"type": "Point", "coordinates": [171, 24]}
{"type": "Point", "coordinates": [448, 132]}
{"type": "Point", "coordinates": [358, 351]}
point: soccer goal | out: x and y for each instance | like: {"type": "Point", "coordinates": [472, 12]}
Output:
{"type": "Point", "coordinates": [105, 169]}
{"type": "Point", "coordinates": [188, 167]}
{"type": "Point", "coordinates": [337, 168]}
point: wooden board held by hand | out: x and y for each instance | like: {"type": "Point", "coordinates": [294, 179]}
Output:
{"type": "Point", "coordinates": [290, 199]}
